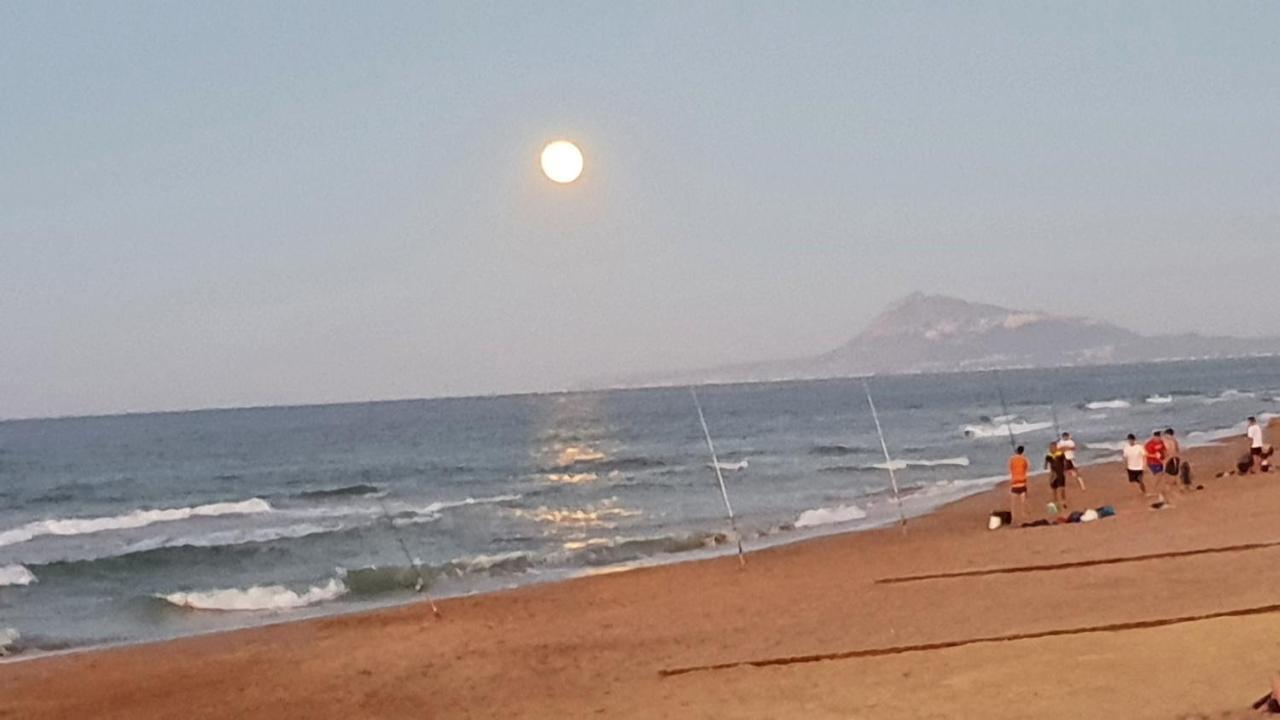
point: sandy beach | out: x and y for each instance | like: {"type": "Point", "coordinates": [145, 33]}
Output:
{"type": "Point", "coordinates": [1151, 614]}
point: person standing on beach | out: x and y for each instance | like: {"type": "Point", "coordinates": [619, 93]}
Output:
{"type": "Point", "coordinates": [1172, 457]}
{"type": "Point", "coordinates": [1056, 463]}
{"type": "Point", "coordinates": [1135, 460]}
{"type": "Point", "coordinates": [1155, 455]}
{"type": "Point", "coordinates": [1068, 448]}
{"type": "Point", "coordinates": [1256, 443]}
{"type": "Point", "coordinates": [1019, 469]}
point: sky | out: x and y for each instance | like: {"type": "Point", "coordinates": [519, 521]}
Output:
{"type": "Point", "coordinates": [246, 203]}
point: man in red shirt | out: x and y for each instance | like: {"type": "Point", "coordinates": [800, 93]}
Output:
{"type": "Point", "coordinates": [1155, 453]}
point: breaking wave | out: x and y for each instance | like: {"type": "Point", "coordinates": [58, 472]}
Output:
{"type": "Point", "coordinates": [1117, 445]}
{"type": "Point", "coordinates": [1159, 399]}
{"type": "Point", "coordinates": [830, 516]}
{"type": "Point", "coordinates": [1107, 405]}
{"type": "Point", "coordinates": [900, 464]}
{"type": "Point", "coordinates": [983, 432]}
{"type": "Point", "coordinates": [345, 491]}
{"type": "Point", "coordinates": [16, 575]}
{"type": "Point", "coordinates": [256, 598]}
{"type": "Point", "coordinates": [130, 520]}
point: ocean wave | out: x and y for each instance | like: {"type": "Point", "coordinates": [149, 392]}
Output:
{"type": "Point", "coordinates": [344, 491]}
{"type": "Point", "coordinates": [830, 516]}
{"type": "Point", "coordinates": [899, 464]}
{"type": "Point", "coordinates": [838, 450]}
{"type": "Point", "coordinates": [1107, 405]}
{"type": "Point", "coordinates": [983, 432]}
{"type": "Point", "coordinates": [377, 580]}
{"type": "Point", "coordinates": [730, 467]}
{"type": "Point", "coordinates": [610, 551]}
{"type": "Point", "coordinates": [128, 521]}
{"type": "Point", "coordinates": [9, 639]}
{"type": "Point", "coordinates": [15, 575]}
{"type": "Point", "coordinates": [256, 598]}
{"type": "Point", "coordinates": [1228, 396]}
{"type": "Point", "coordinates": [960, 461]}
{"type": "Point", "coordinates": [1116, 445]}
{"type": "Point", "coordinates": [1159, 399]}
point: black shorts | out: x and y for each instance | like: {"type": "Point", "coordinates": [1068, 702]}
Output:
{"type": "Point", "coordinates": [1058, 481]}
{"type": "Point", "coordinates": [1256, 451]}
{"type": "Point", "coordinates": [1018, 489]}
{"type": "Point", "coordinates": [1135, 476]}
{"type": "Point", "coordinates": [1071, 465]}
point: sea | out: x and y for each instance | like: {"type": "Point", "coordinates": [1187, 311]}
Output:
{"type": "Point", "coordinates": [141, 527]}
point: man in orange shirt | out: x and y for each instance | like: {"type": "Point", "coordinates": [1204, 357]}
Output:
{"type": "Point", "coordinates": [1019, 469]}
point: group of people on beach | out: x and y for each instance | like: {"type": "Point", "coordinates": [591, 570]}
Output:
{"type": "Point", "coordinates": [1161, 455]}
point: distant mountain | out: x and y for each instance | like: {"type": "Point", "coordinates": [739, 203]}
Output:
{"type": "Point", "coordinates": [935, 333]}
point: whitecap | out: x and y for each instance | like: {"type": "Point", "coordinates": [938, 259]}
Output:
{"type": "Point", "coordinates": [257, 597]}
{"type": "Point", "coordinates": [16, 575]}
{"type": "Point", "coordinates": [129, 520]}
{"type": "Point", "coordinates": [730, 467]}
{"type": "Point", "coordinates": [1107, 405]}
{"type": "Point", "coordinates": [830, 516]}
{"type": "Point", "coordinates": [1160, 399]}
{"type": "Point", "coordinates": [961, 461]}
{"type": "Point", "coordinates": [1117, 446]}
{"type": "Point", "coordinates": [982, 432]}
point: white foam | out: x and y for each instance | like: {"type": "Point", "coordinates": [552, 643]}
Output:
{"type": "Point", "coordinates": [127, 521]}
{"type": "Point", "coordinates": [829, 516]}
{"type": "Point", "coordinates": [1004, 429]}
{"type": "Point", "coordinates": [1107, 405]}
{"type": "Point", "coordinates": [257, 597]}
{"type": "Point", "coordinates": [1117, 446]}
{"type": "Point", "coordinates": [16, 575]}
{"type": "Point", "coordinates": [904, 464]}
{"type": "Point", "coordinates": [730, 467]}
{"type": "Point", "coordinates": [1160, 399]}
{"type": "Point", "coordinates": [8, 638]}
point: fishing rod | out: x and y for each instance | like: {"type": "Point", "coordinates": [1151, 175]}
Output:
{"type": "Point", "coordinates": [888, 461]}
{"type": "Point", "coordinates": [421, 585]}
{"type": "Point", "coordinates": [715, 464]}
{"type": "Point", "coordinates": [1004, 408]}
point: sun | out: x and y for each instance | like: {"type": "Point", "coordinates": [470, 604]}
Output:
{"type": "Point", "coordinates": [562, 161]}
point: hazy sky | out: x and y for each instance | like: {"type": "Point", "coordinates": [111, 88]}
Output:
{"type": "Point", "coordinates": [250, 203]}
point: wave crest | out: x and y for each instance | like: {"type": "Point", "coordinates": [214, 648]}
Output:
{"type": "Point", "coordinates": [830, 516]}
{"type": "Point", "coordinates": [256, 598]}
{"type": "Point", "coordinates": [16, 575]}
{"type": "Point", "coordinates": [127, 521]}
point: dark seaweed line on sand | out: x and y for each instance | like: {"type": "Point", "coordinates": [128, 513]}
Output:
{"type": "Point", "coordinates": [1078, 563]}
{"type": "Point", "coordinates": [901, 649]}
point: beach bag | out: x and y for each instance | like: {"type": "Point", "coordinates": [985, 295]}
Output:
{"type": "Point", "coordinates": [1089, 515]}
{"type": "Point", "coordinates": [998, 519]}
{"type": "Point", "coordinates": [1075, 516]}
{"type": "Point", "coordinates": [1106, 511]}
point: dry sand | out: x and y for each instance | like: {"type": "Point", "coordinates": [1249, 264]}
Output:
{"type": "Point", "coordinates": [1150, 638]}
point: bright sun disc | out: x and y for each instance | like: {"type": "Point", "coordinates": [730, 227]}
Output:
{"type": "Point", "coordinates": [562, 161]}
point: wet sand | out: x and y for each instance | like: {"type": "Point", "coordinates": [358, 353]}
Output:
{"type": "Point", "coordinates": [1151, 614]}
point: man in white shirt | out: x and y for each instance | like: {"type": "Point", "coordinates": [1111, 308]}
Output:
{"type": "Point", "coordinates": [1135, 461]}
{"type": "Point", "coordinates": [1254, 433]}
{"type": "Point", "coordinates": [1068, 448]}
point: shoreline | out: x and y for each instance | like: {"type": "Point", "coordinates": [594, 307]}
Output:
{"type": "Point", "coordinates": [764, 543]}
{"type": "Point", "coordinates": [600, 643]}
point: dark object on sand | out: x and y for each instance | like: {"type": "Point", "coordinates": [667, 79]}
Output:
{"type": "Point", "coordinates": [1269, 701]}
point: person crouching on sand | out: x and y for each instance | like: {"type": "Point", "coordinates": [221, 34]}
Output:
{"type": "Point", "coordinates": [1135, 461]}
{"type": "Point", "coordinates": [1056, 463]}
{"type": "Point", "coordinates": [1068, 448]}
{"type": "Point", "coordinates": [1019, 469]}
